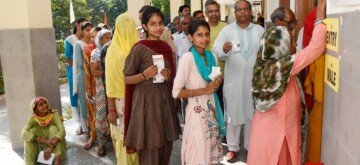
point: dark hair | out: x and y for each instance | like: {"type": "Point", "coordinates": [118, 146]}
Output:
{"type": "Point", "coordinates": [181, 8]}
{"type": "Point", "coordinates": [103, 52]}
{"type": "Point", "coordinates": [248, 3]}
{"type": "Point", "coordinates": [144, 8]}
{"type": "Point", "coordinates": [149, 12]}
{"type": "Point", "coordinates": [147, 15]}
{"type": "Point", "coordinates": [79, 20]}
{"type": "Point", "coordinates": [177, 17]}
{"type": "Point", "coordinates": [98, 29]}
{"type": "Point", "coordinates": [194, 26]}
{"type": "Point", "coordinates": [211, 2]}
{"type": "Point", "coordinates": [196, 12]}
{"type": "Point", "coordinates": [278, 13]}
{"type": "Point", "coordinates": [85, 25]}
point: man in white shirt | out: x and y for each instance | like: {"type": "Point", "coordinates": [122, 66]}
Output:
{"type": "Point", "coordinates": [181, 40]}
{"type": "Point", "coordinates": [237, 44]}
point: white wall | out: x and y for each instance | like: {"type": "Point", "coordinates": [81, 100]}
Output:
{"type": "Point", "coordinates": [134, 6]}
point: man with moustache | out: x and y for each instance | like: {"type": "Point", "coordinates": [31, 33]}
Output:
{"type": "Point", "coordinates": [237, 44]}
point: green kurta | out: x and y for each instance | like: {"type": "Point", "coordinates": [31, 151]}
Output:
{"type": "Point", "coordinates": [33, 130]}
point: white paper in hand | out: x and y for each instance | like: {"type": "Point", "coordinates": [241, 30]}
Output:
{"type": "Point", "coordinates": [159, 62]}
{"type": "Point", "coordinates": [235, 46]}
{"type": "Point", "coordinates": [215, 72]}
{"type": "Point", "coordinates": [42, 160]}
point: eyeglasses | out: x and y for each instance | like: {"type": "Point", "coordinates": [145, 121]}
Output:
{"type": "Point", "coordinates": [242, 9]}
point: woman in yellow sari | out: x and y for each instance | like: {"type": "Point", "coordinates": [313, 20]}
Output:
{"type": "Point", "coordinates": [125, 36]}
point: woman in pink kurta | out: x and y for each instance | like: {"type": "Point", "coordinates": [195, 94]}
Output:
{"type": "Point", "coordinates": [201, 137]}
{"type": "Point", "coordinates": [275, 133]}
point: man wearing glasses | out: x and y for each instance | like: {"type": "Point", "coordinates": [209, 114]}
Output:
{"type": "Point", "coordinates": [237, 44]}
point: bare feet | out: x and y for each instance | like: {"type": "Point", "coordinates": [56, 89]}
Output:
{"type": "Point", "coordinates": [88, 145]}
{"type": "Point", "coordinates": [101, 150]}
{"type": "Point", "coordinates": [57, 160]}
{"type": "Point", "coordinates": [230, 156]}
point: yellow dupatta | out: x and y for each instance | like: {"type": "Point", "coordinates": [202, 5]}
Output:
{"type": "Point", "coordinates": [42, 121]}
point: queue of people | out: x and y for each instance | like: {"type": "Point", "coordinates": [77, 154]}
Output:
{"type": "Point", "coordinates": [126, 85]}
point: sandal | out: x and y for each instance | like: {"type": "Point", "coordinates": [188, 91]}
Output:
{"type": "Point", "coordinates": [101, 151]}
{"type": "Point", "coordinates": [88, 145]}
{"type": "Point", "coordinates": [230, 156]}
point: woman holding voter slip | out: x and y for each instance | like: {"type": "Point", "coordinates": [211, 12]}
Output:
{"type": "Point", "coordinates": [151, 123]}
{"type": "Point", "coordinates": [197, 79]}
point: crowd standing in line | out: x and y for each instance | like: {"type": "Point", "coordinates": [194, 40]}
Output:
{"type": "Point", "coordinates": [229, 76]}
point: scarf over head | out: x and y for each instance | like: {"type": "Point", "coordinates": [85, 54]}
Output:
{"type": "Point", "coordinates": [272, 68]}
{"type": "Point", "coordinates": [42, 121]}
{"type": "Point", "coordinates": [125, 35]}
{"type": "Point", "coordinates": [99, 45]}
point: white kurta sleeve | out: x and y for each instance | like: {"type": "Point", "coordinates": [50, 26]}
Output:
{"type": "Point", "coordinates": [219, 43]}
{"type": "Point", "coordinates": [182, 74]}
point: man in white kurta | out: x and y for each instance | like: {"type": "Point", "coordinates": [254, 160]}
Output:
{"type": "Point", "coordinates": [237, 44]}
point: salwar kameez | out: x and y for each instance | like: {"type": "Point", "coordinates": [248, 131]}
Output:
{"type": "Point", "coordinates": [33, 130]}
{"type": "Point", "coordinates": [79, 83]}
{"type": "Point", "coordinates": [282, 121]}
{"type": "Point", "coordinates": [153, 124]}
{"type": "Point", "coordinates": [90, 89]}
{"type": "Point", "coordinates": [101, 122]}
{"type": "Point", "coordinates": [69, 47]}
{"type": "Point", "coordinates": [201, 140]}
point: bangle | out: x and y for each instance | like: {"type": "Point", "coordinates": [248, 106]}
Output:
{"type": "Point", "coordinates": [318, 21]}
{"type": "Point", "coordinates": [111, 105]}
{"type": "Point", "coordinates": [190, 93]}
{"type": "Point", "coordinates": [142, 73]}
{"type": "Point", "coordinates": [112, 109]}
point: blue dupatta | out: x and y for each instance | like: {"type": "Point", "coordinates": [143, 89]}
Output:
{"type": "Point", "coordinates": [205, 71]}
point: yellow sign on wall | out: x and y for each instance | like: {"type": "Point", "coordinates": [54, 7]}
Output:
{"type": "Point", "coordinates": [332, 72]}
{"type": "Point", "coordinates": [332, 37]}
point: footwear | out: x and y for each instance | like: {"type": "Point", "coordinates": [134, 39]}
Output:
{"type": "Point", "coordinates": [88, 145]}
{"type": "Point", "coordinates": [230, 156]}
{"type": "Point", "coordinates": [101, 151]}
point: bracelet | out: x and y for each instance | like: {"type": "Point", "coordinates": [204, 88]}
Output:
{"type": "Point", "coordinates": [111, 105]}
{"type": "Point", "coordinates": [190, 93]}
{"type": "Point", "coordinates": [142, 73]}
{"type": "Point", "coordinates": [319, 20]}
{"type": "Point", "coordinates": [112, 109]}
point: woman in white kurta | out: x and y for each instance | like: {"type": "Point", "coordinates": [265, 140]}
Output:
{"type": "Point", "coordinates": [201, 138]}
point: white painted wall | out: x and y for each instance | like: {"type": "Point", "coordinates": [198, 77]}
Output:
{"type": "Point", "coordinates": [174, 8]}
{"type": "Point", "coordinates": [342, 6]}
{"type": "Point", "coordinates": [22, 14]}
{"type": "Point", "coordinates": [270, 6]}
{"type": "Point", "coordinates": [135, 6]}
